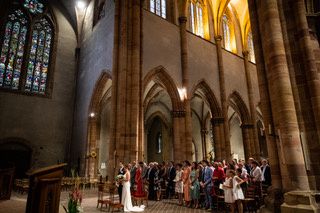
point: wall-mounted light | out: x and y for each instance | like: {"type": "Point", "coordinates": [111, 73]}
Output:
{"type": "Point", "coordinates": [81, 5]}
{"type": "Point", "coordinates": [92, 114]}
{"type": "Point", "coordinates": [183, 93]}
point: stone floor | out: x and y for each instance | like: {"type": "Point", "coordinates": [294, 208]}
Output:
{"type": "Point", "coordinates": [17, 204]}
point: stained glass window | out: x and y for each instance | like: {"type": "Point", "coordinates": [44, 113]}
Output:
{"type": "Point", "coordinates": [158, 7]}
{"type": "Point", "coordinates": [12, 51]}
{"type": "Point", "coordinates": [26, 48]}
{"type": "Point", "coordinates": [196, 18]}
{"type": "Point", "coordinates": [251, 55]}
{"type": "Point", "coordinates": [39, 57]}
{"type": "Point", "coordinates": [34, 6]}
{"type": "Point", "coordinates": [226, 32]}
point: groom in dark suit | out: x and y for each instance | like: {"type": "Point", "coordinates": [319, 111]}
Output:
{"type": "Point", "coordinates": [120, 172]}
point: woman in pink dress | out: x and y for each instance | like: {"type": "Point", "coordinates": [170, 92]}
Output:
{"type": "Point", "coordinates": [186, 182]}
{"type": "Point", "coordinates": [139, 183]}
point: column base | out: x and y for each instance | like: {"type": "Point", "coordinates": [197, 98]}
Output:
{"type": "Point", "coordinates": [273, 201]}
{"type": "Point", "coordinates": [301, 202]}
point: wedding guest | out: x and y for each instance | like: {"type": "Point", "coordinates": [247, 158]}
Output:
{"type": "Point", "coordinates": [133, 168]}
{"type": "Point", "coordinates": [195, 185]}
{"type": "Point", "coordinates": [206, 184]}
{"type": "Point", "coordinates": [266, 174]}
{"type": "Point", "coordinates": [237, 191]}
{"type": "Point", "coordinates": [218, 175]}
{"type": "Point", "coordinates": [228, 190]}
{"type": "Point", "coordinates": [171, 174]}
{"type": "Point", "coordinates": [256, 177]}
{"type": "Point", "coordinates": [150, 179]}
{"type": "Point", "coordinates": [179, 183]}
{"type": "Point", "coordinates": [186, 182]}
{"type": "Point", "coordinates": [138, 181]}
{"type": "Point", "coordinates": [157, 181]}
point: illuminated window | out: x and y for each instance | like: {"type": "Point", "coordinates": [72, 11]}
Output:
{"type": "Point", "coordinates": [158, 7]}
{"type": "Point", "coordinates": [159, 143]}
{"type": "Point", "coordinates": [23, 55]}
{"type": "Point", "coordinates": [251, 55]}
{"type": "Point", "coordinates": [226, 32]}
{"type": "Point", "coordinates": [196, 18]}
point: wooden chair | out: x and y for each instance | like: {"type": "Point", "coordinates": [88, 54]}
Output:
{"type": "Point", "coordinates": [24, 186]}
{"type": "Point", "coordinates": [103, 192]}
{"type": "Point", "coordinates": [219, 199]}
{"type": "Point", "coordinates": [250, 201]}
{"type": "Point", "coordinates": [115, 202]}
{"type": "Point", "coordinates": [141, 200]}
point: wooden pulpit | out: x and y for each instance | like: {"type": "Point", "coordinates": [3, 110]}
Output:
{"type": "Point", "coordinates": [6, 183]}
{"type": "Point", "coordinates": [44, 189]}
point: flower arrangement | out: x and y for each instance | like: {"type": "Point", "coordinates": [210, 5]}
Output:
{"type": "Point", "coordinates": [119, 177]}
{"type": "Point", "coordinates": [74, 203]}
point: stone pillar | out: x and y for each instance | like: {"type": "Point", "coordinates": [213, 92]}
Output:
{"type": "Point", "coordinates": [177, 146]}
{"type": "Point", "coordinates": [126, 84]}
{"type": "Point", "coordinates": [312, 80]}
{"type": "Point", "coordinates": [185, 84]}
{"type": "Point", "coordinates": [217, 125]}
{"type": "Point", "coordinates": [265, 104]}
{"type": "Point", "coordinates": [247, 143]}
{"type": "Point", "coordinates": [256, 151]}
{"type": "Point", "coordinates": [204, 133]}
{"type": "Point", "coordinates": [293, 174]}
{"type": "Point", "coordinates": [223, 97]}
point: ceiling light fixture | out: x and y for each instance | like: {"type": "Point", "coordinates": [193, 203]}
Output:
{"type": "Point", "coordinates": [81, 5]}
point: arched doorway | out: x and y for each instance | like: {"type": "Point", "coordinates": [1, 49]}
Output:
{"type": "Point", "coordinates": [99, 127]}
{"type": "Point", "coordinates": [158, 141]}
{"type": "Point", "coordinates": [16, 154]}
{"type": "Point", "coordinates": [236, 138]}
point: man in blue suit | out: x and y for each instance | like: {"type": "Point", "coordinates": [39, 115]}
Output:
{"type": "Point", "coordinates": [206, 184]}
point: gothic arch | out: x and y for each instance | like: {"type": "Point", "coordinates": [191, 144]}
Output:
{"type": "Point", "coordinates": [210, 97]}
{"type": "Point", "coordinates": [161, 116]}
{"type": "Point", "coordinates": [237, 103]}
{"type": "Point", "coordinates": [161, 76]}
{"type": "Point", "coordinates": [97, 93]}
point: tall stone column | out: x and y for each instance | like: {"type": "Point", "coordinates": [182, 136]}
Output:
{"type": "Point", "coordinates": [185, 84]}
{"type": "Point", "coordinates": [256, 151]}
{"type": "Point", "coordinates": [203, 142]}
{"type": "Point", "coordinates": [265, 104]}
{"type": "Point", "coordinates": [217, 124]}
{"type": "Point", "coordinates": [177, 146]}
{"type": "Point", "coordinates": [247, 144]}
{"type": "Point", "coordinates": [312, 79]}
{"type": "Point", "coordinates": [126, 84]}
{"type": "Point", "coordinates": [223, 97]}
{"type": "Point", "coordinates": [293, 174]}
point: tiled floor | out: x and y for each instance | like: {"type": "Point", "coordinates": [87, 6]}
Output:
{"type": "Point", "coordinates": [18, 202]}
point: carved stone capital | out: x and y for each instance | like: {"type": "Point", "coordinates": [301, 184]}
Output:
{"type": "Point", "coordinates": [178, 114]}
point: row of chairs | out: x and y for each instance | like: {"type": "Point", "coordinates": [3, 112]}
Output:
{"type": "Point", "coordinates": [67, 183]}
{"type": "Point", "coordinates": [21, 185]}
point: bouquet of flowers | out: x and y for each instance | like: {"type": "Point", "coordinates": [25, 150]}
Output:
{"type": "Point", "coordinates": [119, 178]}
{"type": "Point", "coordinates": [74, 203]}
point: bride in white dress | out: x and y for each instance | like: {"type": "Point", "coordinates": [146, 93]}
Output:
{"type": "Point", "coordinates": [126, 195]}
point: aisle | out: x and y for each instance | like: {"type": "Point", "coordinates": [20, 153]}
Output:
{"type": "Point", "coordinates": [17, 204]}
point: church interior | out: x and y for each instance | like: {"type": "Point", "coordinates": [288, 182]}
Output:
{"type": "Point", "coordinates": [87, 84]}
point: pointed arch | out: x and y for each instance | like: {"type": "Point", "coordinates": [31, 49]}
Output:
{"type": "Point", "coordinates": [161, 76]}
{"type": "Point", "coordinates": [162, 117]}
{"type": "Point", "coordinates": [210, 97]}
{"type": "Point", "coordinates": [97, 93]}
{"type": "Point", "coordinates": [236, 102]}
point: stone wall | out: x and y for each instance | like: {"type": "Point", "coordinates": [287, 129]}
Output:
{"type": "Point", "coordinates": [95, 57]}
{"type": "Point", "coordinates": [45, 124]}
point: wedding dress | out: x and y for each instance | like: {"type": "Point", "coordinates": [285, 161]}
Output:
{"type": "Point", "coordinates": [126, 197]}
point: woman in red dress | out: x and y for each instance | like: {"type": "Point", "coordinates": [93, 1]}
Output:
{"type": "Point", "coordinates": [139, 183]}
